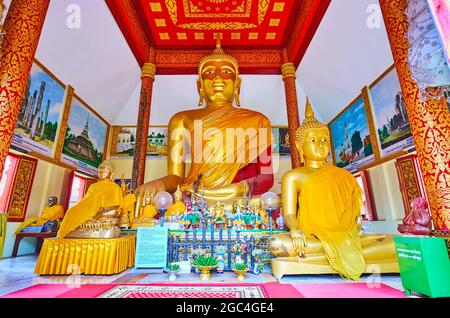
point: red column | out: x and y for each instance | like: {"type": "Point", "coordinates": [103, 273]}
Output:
{"type": "Point", "coordinates": [288, 71]}
{"type": "Point", "coordinates": [430, 119]}
{"type": "Point", "coordinates": [143, 122]}
{"type": "Point", "coordinates": [23, 26]}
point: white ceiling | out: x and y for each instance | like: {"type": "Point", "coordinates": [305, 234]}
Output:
{"type": "Point", "coordinates": [344, 56]}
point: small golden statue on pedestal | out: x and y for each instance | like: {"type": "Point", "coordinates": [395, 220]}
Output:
{"type": "Point", "coordinates": [178, 208]}
{"type": "Point", "coordinates": [97, 214]}
{"type": "Point", "coordinates": [129, 200]}
{"type": "Point", "coordinates": [321, 207]}
{"type": "Point", "coordinates": [147, 214]}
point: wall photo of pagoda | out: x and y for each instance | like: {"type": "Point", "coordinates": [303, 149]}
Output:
{"type": "Point", "coordinates": [352, 145]}
{"type": "Point", "coordinates": [124, 137]}
{"type": "Point", "coordinates": [40, 114]}
{"type": "Point", "coordinates": [390, 117]}
{"type": "Point", "coordinates": [85, 139]}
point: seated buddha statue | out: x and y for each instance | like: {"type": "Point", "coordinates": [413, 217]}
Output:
{"type": "Point", "coordinates": [146, 217]}
{"type": "Point", "coordinates": [52, 212]}
{"type": "Point", "coordinates": [230, 146]}
{"type": "Point", "coordinates": [321, 207]}
{"type": "Point", "coordinates": [96, 215]}
{"type": "Point", "coordinates": [178, 208]}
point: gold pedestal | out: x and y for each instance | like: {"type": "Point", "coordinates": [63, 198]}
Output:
{"type": "Point", "coordinates": [86, 256]}
{"type": "Point", "coordinates": [291, 266]}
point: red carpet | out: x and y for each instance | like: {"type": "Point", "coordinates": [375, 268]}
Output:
{"type": "Point", "coordinates": [349, 290]}
{"type": "Point", "coordinates": [269, 290]}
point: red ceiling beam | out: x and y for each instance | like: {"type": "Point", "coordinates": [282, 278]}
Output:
{"type": "Point", "coordinates": [129, 23]}
{"type": "Point", "coordinates": [308, 21]}
{"type": "Point", "coordinates": [262, 61]}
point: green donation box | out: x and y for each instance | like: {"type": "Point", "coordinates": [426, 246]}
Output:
{"type": "Point", "coordinates": [424, 265]}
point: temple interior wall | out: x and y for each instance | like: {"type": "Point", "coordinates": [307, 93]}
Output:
{"type": "Point", "coordinates": [49, 180]}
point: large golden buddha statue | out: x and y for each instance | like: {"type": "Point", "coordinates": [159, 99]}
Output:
{"type": "Point", "coordinates": [96, 215]}
{"type": "Point", "coordinates": [321, 207]}
{"type": "Point", "coordinates": [230, 146]}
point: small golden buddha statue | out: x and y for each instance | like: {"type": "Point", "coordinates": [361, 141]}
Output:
{"type": "Point", "coordinates": [219, 213]}
{"type": "Point", "coordinates": [52, 212]}
{"type": "Point", "coordinates": [96, 215]}
{"type": "Point", "coordinates": [178, 208]}
{"type": "Point", "coordinates": [129, 200]}
{"type": "Point", "coordinates": [230, 146]}
{"type": "Point", "coordinates": [147, 215]}
{"type": "Point", "coordinates": [321, 208]}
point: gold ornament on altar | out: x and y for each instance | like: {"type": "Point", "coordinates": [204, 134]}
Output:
{"type": "Point", "coordinates": [321, 208]}
{"type": "Point", "coordinates": [97, 214]}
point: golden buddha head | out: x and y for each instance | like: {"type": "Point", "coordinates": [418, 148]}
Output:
{"type": "Point", "coordinates": [312, 138]}
{"type": "Point", "coordinates": [218, 81]}
{"type": "Point", "coordinates": [106, 170]}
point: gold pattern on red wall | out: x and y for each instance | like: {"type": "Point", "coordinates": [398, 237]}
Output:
{"type": "Point", "coordinates": [22, 29]}
{"type": "Point", "coordinates": [409, 181]}
{"type": "Point", "coordinates": [21, 189]}
{"type": "Point", "coordinates": [430, 120]}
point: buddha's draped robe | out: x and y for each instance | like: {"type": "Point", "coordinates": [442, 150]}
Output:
{"type": "Point", "coordinates": [178, 208]}
{"type": "Point", "coordinates": [128, 205]}
{"type": "Point", "coordinates": [330, 203]}
{"type": "Point", "coordinates": [149, 212]}
{"type": "Point", "coordinates": [50, 213]}
{"type": "Point", "coordinates": [218, 162]}
{"type": "Point", "coordinates": [102, 194]}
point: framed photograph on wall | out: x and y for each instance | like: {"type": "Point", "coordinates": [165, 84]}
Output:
{"type": "Point", "coordinates": [281, 144]}
{"type": "Point", "coordinates": [86, 137]}
{"type": "Point", "coordinates": [351, 141]}
{"type": "Point", "coordinates": [389, 113]}
{"type": "Point", "coordinates": [39, 118]}
{"type": "Point", "coordinates": [124, 139]}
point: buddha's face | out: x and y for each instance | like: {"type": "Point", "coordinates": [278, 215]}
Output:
{"type": "Point", "coordinates": [219, 79]}
{"type": "Point", "coordinates": [105, 172]}
{"type": "Point", "coordinates": [316, 145]}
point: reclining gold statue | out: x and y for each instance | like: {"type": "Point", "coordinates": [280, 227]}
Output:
{"type": "Point", "coordinates": [321, 207]}
{"type": "Point", "coordinates": [97, 214]}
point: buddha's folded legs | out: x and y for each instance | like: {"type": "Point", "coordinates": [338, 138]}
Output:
{"type": "Point", "coordinates": [376, 248]}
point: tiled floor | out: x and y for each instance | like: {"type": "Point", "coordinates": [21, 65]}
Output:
{"type": "Point", "coordinates": [18, 273]}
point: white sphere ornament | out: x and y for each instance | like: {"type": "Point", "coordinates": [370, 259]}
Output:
{"type": "Point", "coordinates": [163, 200]}
{"type": "Point", "coordinates": [270, 200]}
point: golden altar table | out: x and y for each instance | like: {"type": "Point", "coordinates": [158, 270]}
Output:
{"type": "Point", "coordinates": [86, 256]}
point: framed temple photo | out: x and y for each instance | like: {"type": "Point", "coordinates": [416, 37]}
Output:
{"type": "Point", "coordinates": [281, 144]}
{"type": "Point", "coordinates": [85, 139]}
{"type": "Point", "coordinates": [351, 142]}
{"type": "Point", "coordinates": [389, 114]}
{"type": "Point", "coordinates": [124, 139]}
{"type": "Point", "coordinates": [39, 118]}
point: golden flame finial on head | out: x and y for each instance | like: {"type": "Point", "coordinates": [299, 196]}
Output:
{"type": "Point", "coordinates": [309, 123]}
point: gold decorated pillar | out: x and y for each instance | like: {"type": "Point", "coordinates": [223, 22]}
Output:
{"type": "Point", "coordinates": [430, 119]}
{"type": "Point", "coordinates": [288, 71]}
{"type": "Point", "coordinates": [23, 26]}
{"type": "Point", "coordinates": [143, 122]}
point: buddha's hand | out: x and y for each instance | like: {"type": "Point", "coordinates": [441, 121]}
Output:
{"type": "Point", "coordinates": [150, 188]}
{"type": "Point", "coordinates": [298, 241]}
